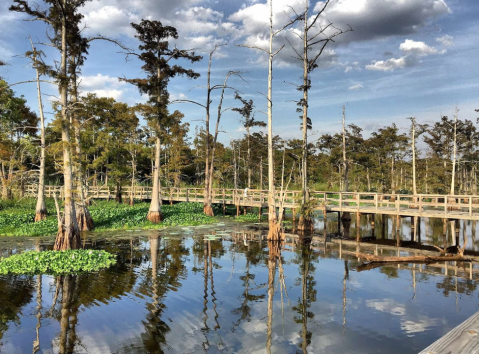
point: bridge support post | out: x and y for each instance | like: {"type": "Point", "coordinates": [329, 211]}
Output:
{"type": "Point", "coordinates": [260, 212]}
{"type": "Point", "coordinates": [418, 227]}
{"type": "Point", "coordinates": [358, 226]}
{"type": "Point", "coordinates": [339, 224]}
{"type": "Point", "coordinates": [383, 226]}
{"type": "Point", "coordinates": [444, 232]}
{"type": "Point", "coordinates": [373, 234]}
{"type": "Point", "coordinates": [237, 210]}
{"type": "Point", "coordinates": [413, 228]}
{"type": "Point", "coordinates": [325, 223]}
{"type": "Point", "coordinates": [398, 229]}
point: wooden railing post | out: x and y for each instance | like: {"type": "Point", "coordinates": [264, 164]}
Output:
{"type": "Point", "coordinates": [397, 203]}
{"type": "Point", "coordinates": [376, 201]}
{"type": "Point", "coordinates": [470, 206]}
{"type": "Point", "coordinates": [445, 205]}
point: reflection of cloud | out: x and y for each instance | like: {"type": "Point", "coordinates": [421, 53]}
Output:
{"type": "Point", "coordinates": [417, 326]}
{"type": "Point", "coordinates": [355, 87]}
{"type": "Point", "coordinates": [387, 305]}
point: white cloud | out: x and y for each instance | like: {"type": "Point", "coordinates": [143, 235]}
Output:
{"type": "Point", "coordinates": [355, 87]}
{"type": "Point", "coordinates": [446, 41]}
{"type": "Point", "coordinates": [417, 48]}
{"type": "Point", "coordinates": [413, 50]}
{"type": "Point", "coordinates": [388, 65]}
{"type": "Point", "coordinates": [370, 19]}
{"type": "Point", "coordinates": [103, 86]}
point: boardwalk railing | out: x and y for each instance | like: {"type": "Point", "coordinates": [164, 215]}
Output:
{"type": "Point", "coordinates": [428, 205]}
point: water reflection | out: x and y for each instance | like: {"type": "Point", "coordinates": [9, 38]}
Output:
{"type": "Point", "coordinates": [235, 293]}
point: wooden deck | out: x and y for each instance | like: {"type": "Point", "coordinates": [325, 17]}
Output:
{"type": "Point", "coordinates": [464, 339]}
{"type": "Point", "coordinates": [421, 205]}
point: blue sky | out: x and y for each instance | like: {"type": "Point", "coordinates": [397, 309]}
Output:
{"type": "Point", "coordinates": [404, 58]}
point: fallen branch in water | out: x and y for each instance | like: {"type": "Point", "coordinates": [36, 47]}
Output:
{"type": "Point", "coordinates": [410, 259]}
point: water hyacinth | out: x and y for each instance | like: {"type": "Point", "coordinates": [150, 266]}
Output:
{"type": "Point", "coordinates": [56, 262]}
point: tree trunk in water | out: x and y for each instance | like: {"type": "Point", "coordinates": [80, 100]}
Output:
{"type": "Point", "coordinates": [84, 219]}
{"type": "Point", "coordinates": [68, 236]}
{"type": "Point", "coordinates": [305, 222]}
{"type": "Point", "coordinates": [207, 207]}
{"type": "Point", "coordinates": [41, 208]}
{"type": "Point", "coordinates": [275, 229]}
{"type": "Point", "coordinates": [154, 214]}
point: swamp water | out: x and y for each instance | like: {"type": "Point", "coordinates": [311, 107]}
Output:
{"type": "Point", "coordinates": [179, 291]}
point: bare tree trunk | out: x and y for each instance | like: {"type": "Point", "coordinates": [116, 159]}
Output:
{"type": "Point", "coordinates": [154, 213]}
{"type": "Point", "coordinates": [133, 173]}
{"type": "Point", "coordinates": [275, 232]}
{"type": "Point", "coordinates": [249, 159]}
{"type": "Point", "coordinates": [454, 154]}
{"type": "Point", "coordinates": [345, 161]}
{"type": "Point", "coordinates": [41, 208]}
{"type": "Point", "coordinates": [84, 219]}
{"type": "Point", "coordinates": [207, 207]}
{"type": "Point", "coordinates": [305, 222]}
{"type": "Point", "coordinates": [68, 236]}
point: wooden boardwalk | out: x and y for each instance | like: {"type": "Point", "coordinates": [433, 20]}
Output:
{"type": "Point", "coordinates": [401, 205]}
{"type": "Point", "coordinates": [464, 339]}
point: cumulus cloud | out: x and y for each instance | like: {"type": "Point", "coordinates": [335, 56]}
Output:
{"type": "Point", "coordinates": [355, 87]}
{"type": "Point", "coordinates": [196, 25]}
{"type": "Point", "coordinates": [373, 19]}
{"type": "Point", "coordinates": [417, 48]}
{"type": "Point", "coordinates": [446, 41]}
{"type": "Point", "coordinates": [388, 65]}
{"type": "Point", "coordinates": [413, 51]}
{"type": "Point", "coordinates": [370, 19]}
{"type": "Point", "coordinates": [103, 86]}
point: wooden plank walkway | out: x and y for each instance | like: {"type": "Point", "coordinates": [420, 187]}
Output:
{"type": "Point", "coordinates": [422, 205]}
{"type": "Point", "coordinates": [464, 339]}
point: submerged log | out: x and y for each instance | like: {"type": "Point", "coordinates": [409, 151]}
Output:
{"type": "Point", "coordinates": [410, 259]}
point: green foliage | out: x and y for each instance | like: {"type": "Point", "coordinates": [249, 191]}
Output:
{"type": "Point", "coordinates": [56, 262]}
{"type": "Point", "coordinates": [18, 220]}
{"type": "Point", "coordinates": [250, 217]}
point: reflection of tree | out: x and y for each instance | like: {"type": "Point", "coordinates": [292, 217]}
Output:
{"type": "Point", "coordinates": [308, 295]}
{"type": "Point", "coordinates": [17, 291]}
{"type": "Point", "coordinates": [244, 311]}
{"type": "Point", "coordinates": [167, 270]}
{"type": "Point", "coordinates": [69, 312]}
{"type": "Point", "coordinates": [456, 285]}
{"type": "Point", "coordinates": [36, 342]}
{"type": "Point", "coordinates": [274, 248]}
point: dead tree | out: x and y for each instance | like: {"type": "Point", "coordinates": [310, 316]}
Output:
{"type": "Point", "coordinates": [275, 227]}
{"type": "Point", "coordinates": [315, 36]}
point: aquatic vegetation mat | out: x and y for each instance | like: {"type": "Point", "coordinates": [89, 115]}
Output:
{"type": "Point", "coordinates": [18, 219]}
{"type": "Point", "coordinates": [56, 262]}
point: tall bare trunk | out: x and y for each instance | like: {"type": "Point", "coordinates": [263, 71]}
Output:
{"type": "Point", "coordinates": [154, 213]}
{"type": "Point", "coordinates": [41, 208]}
{"type": "Point", "coordinates": [305, 222]}
{"type": "Point", "coordinates": [345, 161]}
{"type": "Point", "coordinates": [207, 207]}
{"type": "Point", "coordinates": [68, 236]}
{"type": "Point", "coordinates": [454, 154]}
{"type": "Point", "coordinates": [274, 227]}
{"type": "Point", "coordinates": [84, 219]}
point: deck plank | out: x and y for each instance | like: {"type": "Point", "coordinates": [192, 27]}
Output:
{"type": "Point", "coordinates": [464, 339]}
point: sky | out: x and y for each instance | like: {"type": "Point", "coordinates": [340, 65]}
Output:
{"type": "Point", "coordinates": [403, 58]}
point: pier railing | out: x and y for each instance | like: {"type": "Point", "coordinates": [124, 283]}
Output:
{"type": "Point", "coordinates": [434, 205]}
